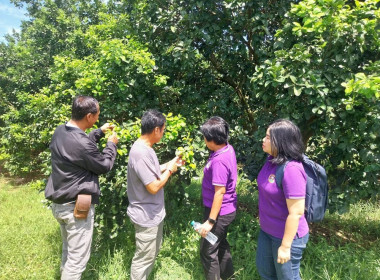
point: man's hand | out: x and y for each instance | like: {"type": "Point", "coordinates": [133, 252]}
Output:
{"type": "Point", "coordinates": [106, 127]}
{"type": "Point", "coordinates": [180, 162]}
{"type": "Point", "coordinates": [113, 138]}
{"type": "Point", "coordinates": [172, 165]}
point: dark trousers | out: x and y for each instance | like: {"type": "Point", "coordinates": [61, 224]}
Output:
{"type": "Point", "coordinates": [216, 259]}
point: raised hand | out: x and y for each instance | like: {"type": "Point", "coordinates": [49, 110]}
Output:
{"type": "Point", "coordinates": [107, 126]}
{"type": "Point", "coordinates": [113, 138]}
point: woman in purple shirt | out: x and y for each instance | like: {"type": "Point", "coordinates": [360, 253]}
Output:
{"type": "Point", "coordinates": [219, 199]}
{"type": "Point", "coordinates": [284, 231]}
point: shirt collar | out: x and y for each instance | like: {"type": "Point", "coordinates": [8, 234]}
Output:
{"type": "Point", "coordinates": [71, 125]}
{"type": "Point", "coordinates": [220, 151]}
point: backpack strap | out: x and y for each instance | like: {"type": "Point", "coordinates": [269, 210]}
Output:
{"type": "Point", "coordinates": [280, 174]}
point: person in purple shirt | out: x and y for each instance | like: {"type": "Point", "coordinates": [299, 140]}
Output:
{"type": "Point", "coordinates": [219, 199]}
{"type": "Point", "coordinates": [284, 231]}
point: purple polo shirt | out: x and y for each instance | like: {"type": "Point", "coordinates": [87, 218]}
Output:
{"type": "Point", "coordinates": [221, 170]}
{"type": "Point", "coordinates": [273, 210]}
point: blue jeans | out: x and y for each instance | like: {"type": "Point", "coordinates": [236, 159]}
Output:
{"type": "Point", "coordinates": [266, 258]}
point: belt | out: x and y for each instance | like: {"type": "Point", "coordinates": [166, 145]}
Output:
{"type": "Point", "coordinates": [67, 203]}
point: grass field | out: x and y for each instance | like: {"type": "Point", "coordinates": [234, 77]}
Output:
{"type": "Point", "coordinates": [341, 247]}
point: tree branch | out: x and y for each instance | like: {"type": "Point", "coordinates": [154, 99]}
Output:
{"type": "Point", "coordinates": [237, 88]}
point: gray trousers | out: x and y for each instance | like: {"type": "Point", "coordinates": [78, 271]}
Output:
{"type": "Point", "coordinates": [148, 244]}
{"type": "Point", "coordinates": [76, 240]}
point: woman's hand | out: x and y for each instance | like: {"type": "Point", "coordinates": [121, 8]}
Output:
{"type": "Point", "coordinates": [283, 254]}
{"type": "Point", "coordinates": [296, 208]}
{"type": "Point", "coordinates": [205, 229]}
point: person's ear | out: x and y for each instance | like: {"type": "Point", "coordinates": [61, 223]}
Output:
{"type": "Point", "coordinates": [88, 117]}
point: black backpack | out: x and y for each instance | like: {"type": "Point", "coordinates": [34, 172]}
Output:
{"type": "Point", "coordinates": [316, 188]}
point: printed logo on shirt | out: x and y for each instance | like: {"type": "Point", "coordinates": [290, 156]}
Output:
{"type": "Point", "coordinates": [271, 178]}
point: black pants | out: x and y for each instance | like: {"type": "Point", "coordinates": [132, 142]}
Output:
{"type": "Point", "coordinates": [216, 259]}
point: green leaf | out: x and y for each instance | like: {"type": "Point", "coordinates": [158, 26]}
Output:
{"type": "Point", "coordinates": [297, 91]}
{"type": "Point", "coordinates": [293, 79]}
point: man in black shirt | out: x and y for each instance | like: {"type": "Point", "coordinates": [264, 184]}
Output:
{"type": "Point", "coordinates": [76, 164]}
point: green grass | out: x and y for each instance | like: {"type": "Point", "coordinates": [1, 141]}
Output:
{"type": "Point", "coordinates": [341, 247]}
{"type": "Point", "coordinates": [346, 246]}
{"type": "Point", "coordinates": [29, 235]}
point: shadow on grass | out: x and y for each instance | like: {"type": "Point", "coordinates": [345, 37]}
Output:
{"type": "Point", "coordinates": [340, 232]}
{"type": "Point", "coordinates": [17, 181]}
{"type": "Point", "coordinates": [106, 251]}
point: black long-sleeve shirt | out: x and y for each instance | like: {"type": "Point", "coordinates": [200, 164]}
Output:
{"type": "Point", "coordinates": [76, 163]}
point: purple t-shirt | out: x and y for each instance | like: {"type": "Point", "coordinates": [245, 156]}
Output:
{"type": "Point", "coordinates": [273, 210]}
{"type": "Point", "coordinates": [221, 170]}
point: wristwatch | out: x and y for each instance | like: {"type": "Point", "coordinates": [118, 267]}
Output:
{"type": "Point", "coordinates": [211, 221]}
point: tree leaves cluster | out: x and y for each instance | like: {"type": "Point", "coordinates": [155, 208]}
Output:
{"type": "Point", "coordinates": [315, 62]}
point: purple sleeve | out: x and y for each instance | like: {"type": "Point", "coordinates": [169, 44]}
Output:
{"type": "Point", "coordinates": [294, 181]}
{"type": "Point", "coordinates": [219, 174]}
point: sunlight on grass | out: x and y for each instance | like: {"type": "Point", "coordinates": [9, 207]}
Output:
{"type": "Point", "coordinates": [29, 235]}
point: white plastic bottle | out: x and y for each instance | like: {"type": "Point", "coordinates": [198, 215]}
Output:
{"type": "Point", "coordinates": [210, 237]}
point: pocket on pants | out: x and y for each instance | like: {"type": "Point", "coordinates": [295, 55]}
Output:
{"type": "Point", "coordinates": [301, 242]}
{"type": "Point", "coordinates": [62, 212]}
{"type": "Point", "coordinates": [298, 246]}
{"type": "Point", "coordinates": [146, 234]}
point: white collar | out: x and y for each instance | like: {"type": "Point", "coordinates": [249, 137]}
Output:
{"type": "Point", "coordinates": [71, 124]}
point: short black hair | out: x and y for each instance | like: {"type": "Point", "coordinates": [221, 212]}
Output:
{"type": "Point", "coordinates": [216, 129]}
{"type": "Point", "coordinates": [82, 105]}
{"type": "Point", "coordinates": [286, 141]}
{"type": "Point", "coordinates": [150, 120]}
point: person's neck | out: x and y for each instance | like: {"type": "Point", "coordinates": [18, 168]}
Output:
{"type": "Point", "coordinates": [218, 147]}
{"type": "Point", "coordinates": [80, 124]}
{"type": "Point", "coordinates": [147, 140]}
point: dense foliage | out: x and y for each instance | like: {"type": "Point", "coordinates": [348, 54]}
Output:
{"type": "Point", "coordinates": [315, 62]}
